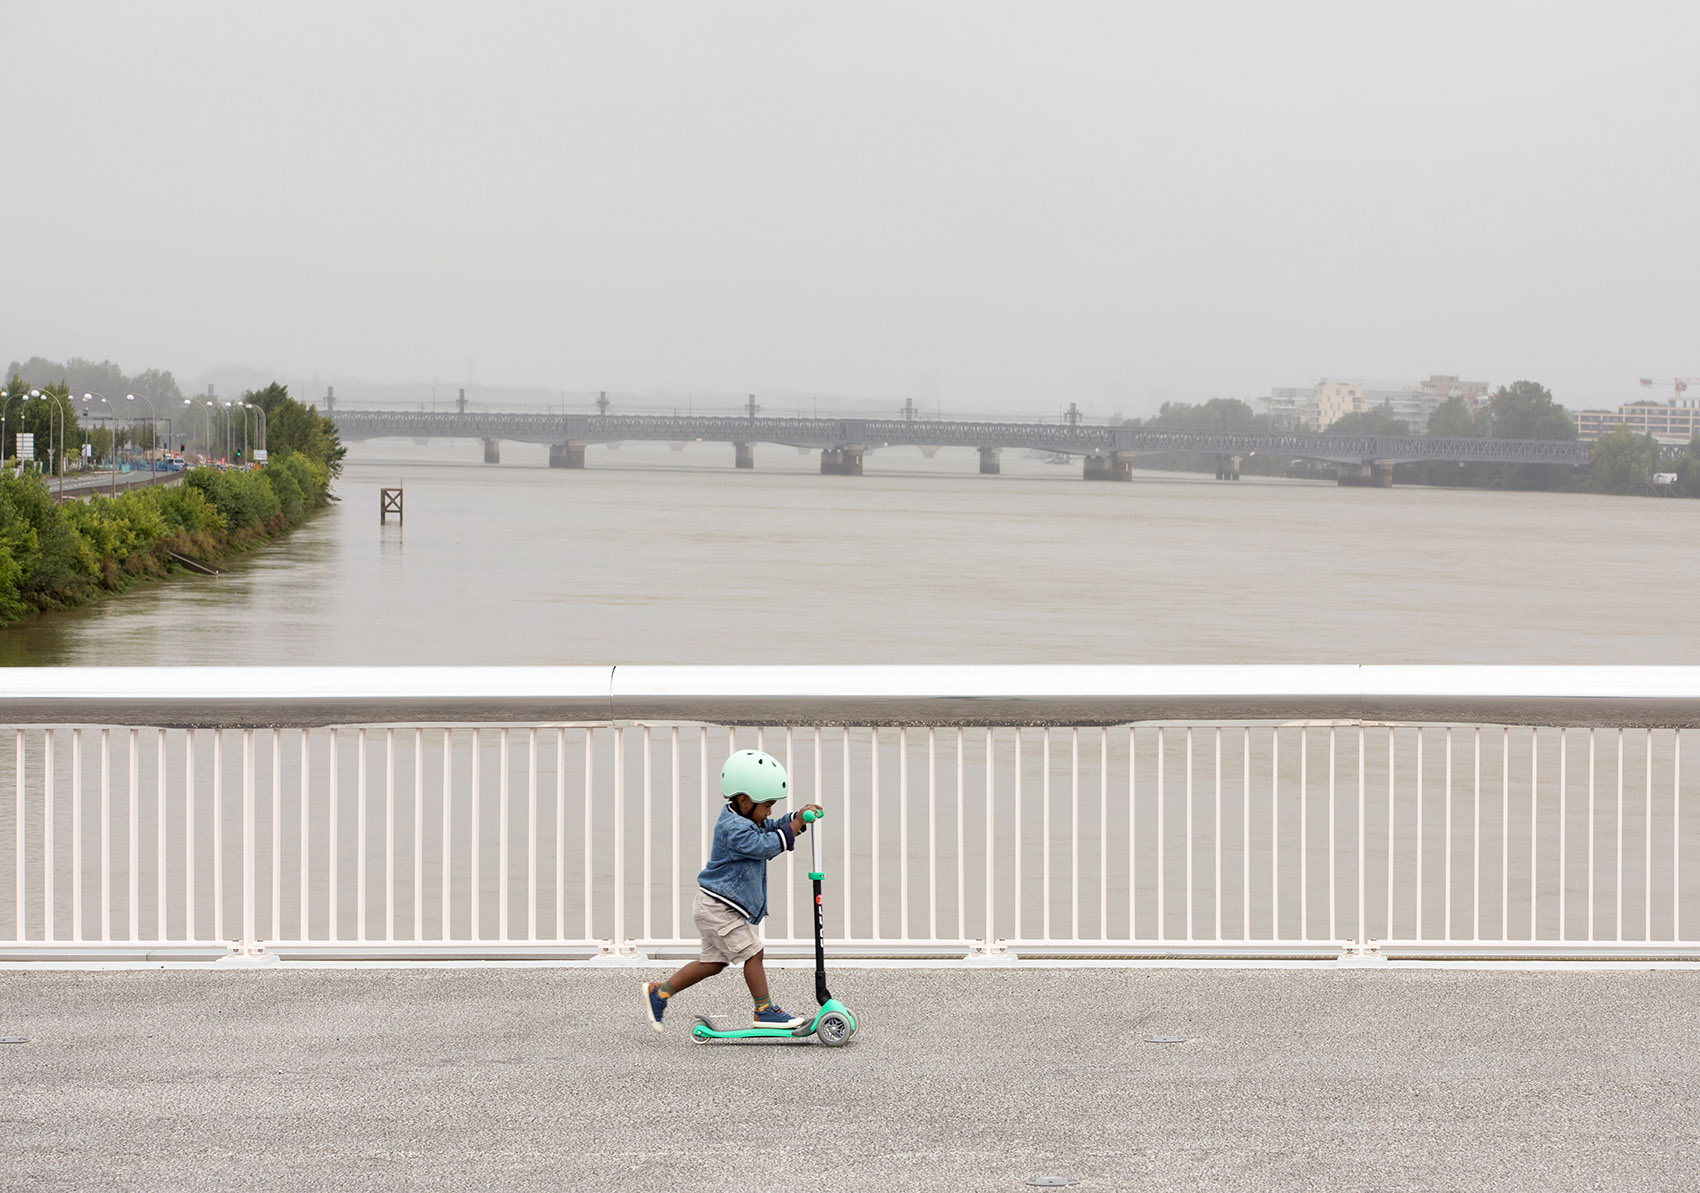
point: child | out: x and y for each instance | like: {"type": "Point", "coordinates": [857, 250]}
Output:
{"type": "Point", "coordinates": [732, 888]}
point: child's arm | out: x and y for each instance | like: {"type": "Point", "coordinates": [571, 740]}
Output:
{"type": "Point", "coordinates": [767, 840]}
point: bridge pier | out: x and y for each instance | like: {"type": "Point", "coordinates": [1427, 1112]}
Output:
{"type": "Point", "coordinates": [1227, 468]}
{"type": "Point", "coordinates": [1376, 475]}
{"type": "Point", "coordinates": [492, 451]}
{"type": "Point", "coordinates": [743, 455]}
{"type": "Point", "coordinates": [566, 455]}
{"type": "Point", "coordinates": [841, 461]}
{"type": "Point", "coordinates": [991, 461]}
{"type": "Point", "coordinates": [1117, 466]}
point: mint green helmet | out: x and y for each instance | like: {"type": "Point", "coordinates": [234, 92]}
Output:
{"type": "Point", "coordinates": [757, 775]}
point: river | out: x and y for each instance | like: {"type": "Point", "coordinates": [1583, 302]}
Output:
{"type": "Point", "coordinates": [655, 556]}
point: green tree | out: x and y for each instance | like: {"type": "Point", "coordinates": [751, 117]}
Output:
{"type": "Point", "coordinates": [1378, 420]}
{"type": "Point", "coordinates": [1622, 462]}
{"type": "Point", "coordinates": [1453, 419]}
{"type": "Point", "coordinates": [1525, 410]}
{"type": "Point", "coordinates": [293, 427]}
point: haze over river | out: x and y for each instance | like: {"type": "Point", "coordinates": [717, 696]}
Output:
{"type": "Point", "coordinates": [655, 556]}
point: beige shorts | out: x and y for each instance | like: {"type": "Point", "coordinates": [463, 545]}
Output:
{"type": "Point", "coordinates": [727, 937]}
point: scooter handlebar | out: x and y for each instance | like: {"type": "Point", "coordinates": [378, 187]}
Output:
{"type": "Point", "coordinates": [810, 816]}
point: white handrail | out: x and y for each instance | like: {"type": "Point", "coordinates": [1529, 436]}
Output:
{"type": "Point", "coordinates": [293, 697]}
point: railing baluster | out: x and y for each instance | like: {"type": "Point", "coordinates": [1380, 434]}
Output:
{"type": "Point", "coordinates": [849, 898]}
{"type": "Point", "coordinates": [1275, 832]}
{"type": "Point", "coordinates": [791, 854]}
{"type": "Point", "coordinates": [418, 835]}
{"type": "Point", "coordinates": [1676, 836]}
{"type": "Point", "coordinates": [903, 833]}
{"type": "Point", "coordinates": [561, 834]}
{"type": "Point", "coordinates": [106, 833]}
{"type": "Point", "coordinates": [1103, 833]}
{"type": "Point", "coordinates": [277, 835]}
{"type": "Point", "coordinates": [1304, 832]}
{"type": "Point", "coordinates": [1361, 930]}
{"type": "Point", "coordinates": [1647, 842]}
{"type": "Point", "coordinates": [218, 835]}
{"type": "Point", "coordinates": [250, 911]}
{"type": "Point", "coordinates": [1592, 833]}
{"type": "Point", "coordinates": [1617, 872]}
{"type": "Point", "coordinates": [1216, 838]}
{"type": "Point", "coordinates": [503, 821]}
{"type": "Point", "coordinates": [1446, 858]}
{"type": "Point", "coordinates": [50, 931]}
{"type": "Point", "coordinates": [1045, 835]}
{"type": "Point", "coordinates": [389, 835]}
{"type": "Point", "coordinates": [477, 807]}
{"type": "Point", "coordinates": [304, 930]}
{"type": "Point", "coordinates": [961, 840]}
{"type": "Point", "coordinates": [619, 837]}
{"type": "Point", "coordinates": [648, 832]}
{"type": "Point", "coordinates": [678, 824]}
{"type": "Point", "coordinates": [531, 835]}
{"type": "Point", "coordinates": [874, 823]}
{"type": "Point", "coordinates": [18, 877]}
{"type": "Point", "coordinates": [1535, 835]}
{"type": "Point", "coordinates": [1132, 834]}
{"type": "Point", "coordinates": [932, 836]}
{"type": "Point", "coordinates": [1333, 848]}
{"type": "Point", "coordinates": [1505, 838]}
{"type": "Point", "coordinates": [331, 860]}
{"type": "Point", "coordinates": [360, 925]}
{"type": "Point", "coordinates": [1189, 811]}
{"type": "Point", "coordinates": [76, 835]}
{"type": "Point", "coordinates": [589, 782]}
{"type": "Point", "coordinates": [1074, 831]}
{"type": "Point", "coordinates": [1245, 838]}
{"type": "Point", "coordinates": [1017, 888]}
{"type": "Point", "coordinates": [1162, 840]}
{"type": "Point", "coordinates": [1392, 820]}
{"type": "Point", "coordinates": [991, 852]}
{"type": "Point", "coordinates": [1563, 826]}
{"type": "Point", "coordinates": [1476, 856]}
{"type": "Point", "coordinates": [135, 835]}
{"type": "Point", "coordinates": [1421, 886]}
{"type": "Point", "coordinates": [445, 931]}
{"type": "Point", "coordinates": [161, 924]}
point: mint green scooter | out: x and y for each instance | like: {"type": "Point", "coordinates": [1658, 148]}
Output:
{"type": "Point", "coordinates": [833, 1023]}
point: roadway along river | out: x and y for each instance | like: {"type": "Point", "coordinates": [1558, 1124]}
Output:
{"type": "Point", "coordinates": [651, 556]}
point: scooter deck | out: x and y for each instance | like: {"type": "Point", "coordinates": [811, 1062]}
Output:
{"type": "Point", "coordinates": [733, 1029]}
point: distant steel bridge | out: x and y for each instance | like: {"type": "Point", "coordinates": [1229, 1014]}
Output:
{"type": "Point", "coordinates": [1107, 450]}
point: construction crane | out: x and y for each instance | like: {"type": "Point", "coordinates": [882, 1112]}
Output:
{"type": "Point", "coordinates": [1679, 385]}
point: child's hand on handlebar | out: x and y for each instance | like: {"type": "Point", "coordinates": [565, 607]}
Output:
{"type": "Point", "coordinates": [798, 824]}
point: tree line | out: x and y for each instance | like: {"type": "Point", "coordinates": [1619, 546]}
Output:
{"type": "Point", "coordinates": [54, 555]}
{"type": "Point", "coordinates": [1620, 462]}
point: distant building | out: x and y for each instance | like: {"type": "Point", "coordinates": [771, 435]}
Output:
{"type": "Point", "coordinates": [1675, 421]}
{"type": "Point", "coordinates": [1331, 399]}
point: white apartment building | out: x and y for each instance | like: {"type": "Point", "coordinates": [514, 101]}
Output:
{"type": "Point", "coordinates": [1675, 421]}
{"type": "Point", "coordinates": [1328, 401]}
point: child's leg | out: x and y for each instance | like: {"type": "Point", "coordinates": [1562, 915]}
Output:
{"type": "Point", "coordinates": [756, 978]}
{"type": "Point", "coordinates": [689, 976]}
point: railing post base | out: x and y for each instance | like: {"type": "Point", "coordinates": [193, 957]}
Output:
{"type": "Point", "coordinates": [248, 955]}
{"type": "Point", "coordinates": [993, 953]}
{"type": "Point", "coordinates": [1361, 953]}
{"type": "Point", "coordinates": [623, 953]}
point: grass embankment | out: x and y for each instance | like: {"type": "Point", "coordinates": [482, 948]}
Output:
{"type": "Point", "coordinates": [56, 556]}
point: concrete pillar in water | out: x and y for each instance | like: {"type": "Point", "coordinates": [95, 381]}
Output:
{"type": "Point", "coordinates": [492, 451]}
{"type": "Point", "coordinates": [744, 455]}
{"type": "Point", "coordinates": [991, 461]}
{"type": "Point", "coordinates": [1117, 466]}
{"type": "Point", "coordinates": [1377, 475]}
{"type": "Point", "coordinates": [1227, 468]}
{"type": "Point", "coordinates": [841, 461]}
{"type": "Point", "coordinates": [566, 455]}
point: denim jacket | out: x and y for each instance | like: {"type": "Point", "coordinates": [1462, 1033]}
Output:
{"type": "Point", "coordinates": [736, 873]}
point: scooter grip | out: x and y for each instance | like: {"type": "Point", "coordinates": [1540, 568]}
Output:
{"type": "Point", "coordinates": [810, 815]}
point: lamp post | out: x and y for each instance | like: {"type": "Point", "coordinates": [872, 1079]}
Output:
{"type": "Point", "coordinates": [54, 408]}
{"type": "Point", "coordinates": [152, 470]}
{"type": "Point", "coordinates": [265, 425]}
{"type": "Point", "coordinates": [5, 400]}
{"type": "Point", "coordinates": [114, 448]}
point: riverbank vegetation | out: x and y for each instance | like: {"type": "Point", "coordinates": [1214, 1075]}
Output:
{"type": "Point", "coordinates": [1620, 462]}
{"type": "Point", "coordinates": [55, 555]}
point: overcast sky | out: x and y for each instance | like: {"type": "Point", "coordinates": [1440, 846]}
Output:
{"type": "Point", "coordinates": [987, 206]}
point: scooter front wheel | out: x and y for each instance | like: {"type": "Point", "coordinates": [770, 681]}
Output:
{"type": "Point", "coordinates": [833, 1030]}
{"type": "Point", "coordinates": [700, 1033]}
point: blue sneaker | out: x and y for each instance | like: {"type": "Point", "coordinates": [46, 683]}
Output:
{"type": "Point", "coordinates": [774, 1017]}
{"type": "Point", "coordinates": [654, 1005]}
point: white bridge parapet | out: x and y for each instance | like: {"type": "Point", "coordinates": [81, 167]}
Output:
{"type": "Point", "coordinates": [1348, 812]}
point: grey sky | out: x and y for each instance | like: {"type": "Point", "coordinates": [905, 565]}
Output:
{"type": "Point", "coordinates": [984, 205]}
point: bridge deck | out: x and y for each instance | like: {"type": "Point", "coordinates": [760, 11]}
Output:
{"type": "Point", "coordinates": [961, 1079]}
{"type": "Point", "coordinates": [828, 433]}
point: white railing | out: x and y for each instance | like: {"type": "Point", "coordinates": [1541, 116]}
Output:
{"type": "Point", "coordinates": [1114, 811]}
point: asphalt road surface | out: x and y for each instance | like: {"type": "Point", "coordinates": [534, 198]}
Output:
{"type": "Point", "coordinates": [960, 1079]}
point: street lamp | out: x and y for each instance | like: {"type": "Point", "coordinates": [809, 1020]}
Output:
{"type": "Point", "coordinates": [5, 400]}
{"type": "Point", "coordinates": [54, 407]}
{"type": "Point", "coordinates": [152, 470]}
{"type": "Point", "coordinates": [114, 449]}
{"type": "Point", "coordinates": [265, 428]}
